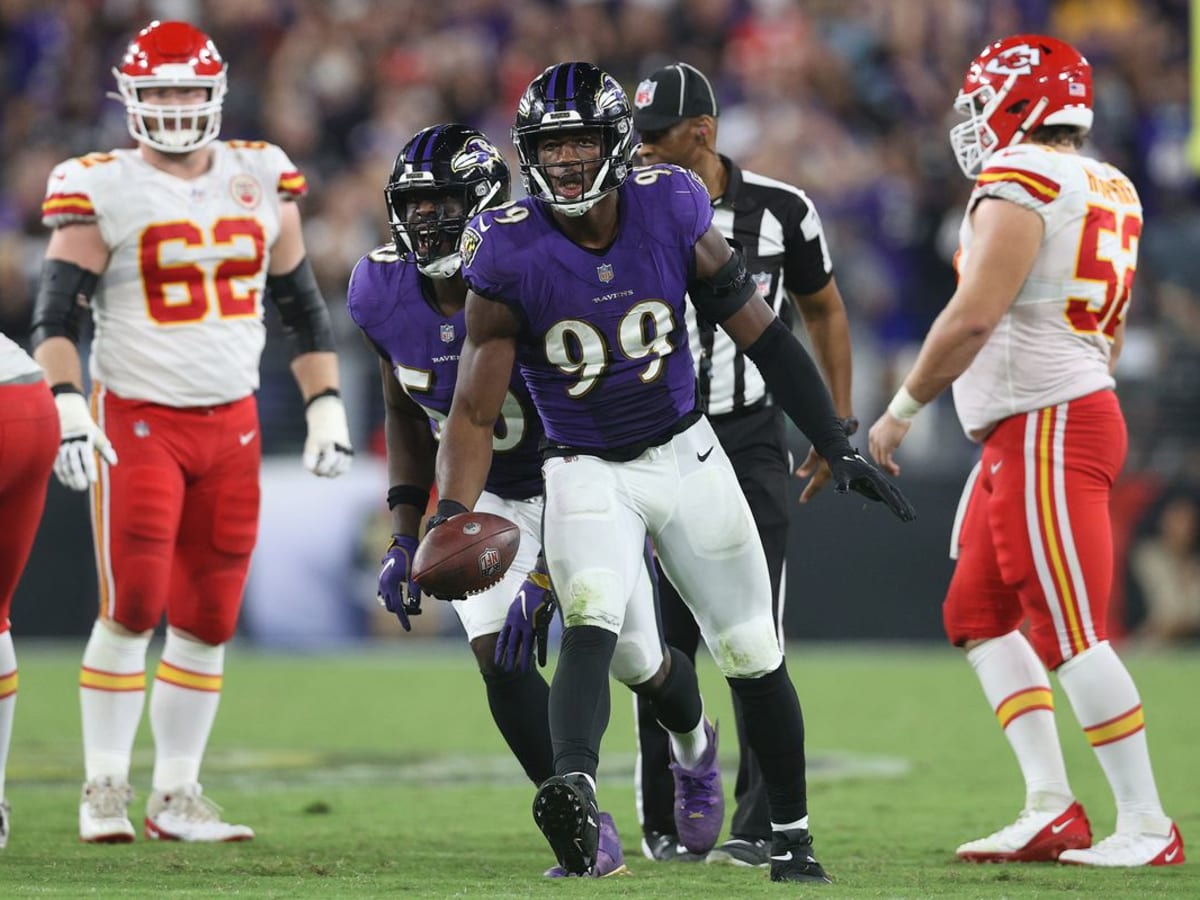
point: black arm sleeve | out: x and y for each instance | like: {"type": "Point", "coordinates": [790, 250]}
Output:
{"type": "Point", "coordinates": [64, 292]}
{"type": "Point", "coordinates": [719, 297]}
{"type": "Point", "coordinates": [794, 381]}
{"type": "Point", "coordinates": [302, 309]}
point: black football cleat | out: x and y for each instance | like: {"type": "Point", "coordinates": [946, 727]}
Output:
{"type": "Point", "coordinates": [565, 810]}
{"type": "Point", "coordinates": [792, 859]}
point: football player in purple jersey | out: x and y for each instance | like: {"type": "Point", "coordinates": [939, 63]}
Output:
{"type": "Point", "coordinates": [583, 285]}
{"type": "Point", "coordinates": [408, 299]}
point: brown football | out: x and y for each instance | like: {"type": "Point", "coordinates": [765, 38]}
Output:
{"type": "Point", "coordinates": [466, 554]}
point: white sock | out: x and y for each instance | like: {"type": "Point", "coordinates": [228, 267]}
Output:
{"type": "Point", "coordinates": [791, 826]}
{"type": "Point", "coordinates": [183, 706]}
{"type": "Point", "coordinates": [112, 691]}
{"type": "Point", "coordinates": [8, 700]}
{"type": "Point", "coordinates": [1107, 705]}
{"type": "Point", "coordinates": [689, 747]}
{"type": "Point", "coordinates": [1018, 689]}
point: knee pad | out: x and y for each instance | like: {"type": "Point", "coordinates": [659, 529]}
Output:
{"type": "Point", "coordinates": [637, 658]}
{"type": "Point", "coordinates": [747, 650]}
{"type": "Point", "coordinates": [714, 513]}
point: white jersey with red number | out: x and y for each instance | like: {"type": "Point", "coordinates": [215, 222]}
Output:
{"type": "Point", "coordinates": [178, 311]}
{"type": "Point", "coordinates": [15, 362]}
{"type": "Point", "coordinates": [1055, 341]}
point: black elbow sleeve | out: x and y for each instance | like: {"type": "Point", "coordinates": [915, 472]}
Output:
{"type": "Point", "coordinates": [302, 309]}
{"type": "Point", "coordinates": [64, 292]}
{"type": "Point", "coordinates": [719, 297]}
{"type": "Point", "coordinates": [794, 381]}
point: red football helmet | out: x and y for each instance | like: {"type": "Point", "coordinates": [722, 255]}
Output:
{"type": "Point", "coordinates": [1014, 86]}
{"type": "Point", "coordinates": [172, 54]}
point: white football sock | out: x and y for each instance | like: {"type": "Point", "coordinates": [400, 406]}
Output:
{"type": "Point", "coordinates": [112, 691]}
{"type": "Point", "coordinates": [8, 700]}
{"type": "Point", "coordinates": [1018, 689]}
{"type": "Point", "coordinates": [1107, 705]}
{"type": "Point", "coordinates": [690, 746]}
{"type": "Point", "coordinates": [183, 706]}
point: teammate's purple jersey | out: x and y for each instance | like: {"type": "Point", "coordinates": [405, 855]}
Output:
{"type": "Point", "coordinates": [387, 300]}
{"type": "Point", "coordinates": [604, 347]}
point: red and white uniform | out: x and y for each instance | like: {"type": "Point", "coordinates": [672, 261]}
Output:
{"type": "Point", "coordinates": [178, 312]}
{"type": "Point", "coordinates": [1033, 535]}
{"type": "Point", "coordinates": [29, 435]}
{"type": "Point", "coordinates": [178, 340]}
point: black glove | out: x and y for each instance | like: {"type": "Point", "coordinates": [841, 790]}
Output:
{"type": "Point", "coordinates": [445, 509]}
{"type": "Point", "coordinates": [851, 472]}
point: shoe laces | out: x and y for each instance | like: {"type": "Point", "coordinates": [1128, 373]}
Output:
{"type": "Point", "coordinates": [699, 791]}
{"type": "Point", "coordinates": [107, 800]}
{"type": "Point", "coordinates": [1118, 842]}
{"type": "Point", "coordinates": [192, 805]}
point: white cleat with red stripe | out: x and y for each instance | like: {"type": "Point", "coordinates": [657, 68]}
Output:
{"type": "Point", "coordinates": [185, 814]}
{"type": "Point", "coordinates": [1127, 849]}
{"type": "Point", "coordinates": [1035, 837]}
{"type": "Point", "coordinates": [103, 812]}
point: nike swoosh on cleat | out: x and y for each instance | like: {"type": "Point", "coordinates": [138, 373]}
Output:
{"type": "Point", "coordinates": [1170, 856]}
{"type": "Point", "coordinates": [1057, 829]}
{"type": "Point", "coordinates": [787, 857]}
{"type": "Point", "coordinates": [705, 455]}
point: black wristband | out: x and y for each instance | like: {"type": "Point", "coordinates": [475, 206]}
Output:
{"type": "Point", "coordinates": [328, 392]}
{"type": "Point", "coordinates": [408, 495]}
{"type": "Point", "coordinates": [64, 387]}
{"type": "Point", "coordinates": [850, 424]}
{"type": "Point", "coordinates": [448, 508]}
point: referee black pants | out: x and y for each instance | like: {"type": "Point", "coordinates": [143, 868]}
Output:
{"type": "Point", "coordinates": [755, 444]}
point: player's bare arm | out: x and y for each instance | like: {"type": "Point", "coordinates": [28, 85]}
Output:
{"type": "Point", "coordinates": [488, 355]}
{"type": "Point", "coordinates": [824, 315]}
{"type": "Point", "coordinates": [1006, 243]}
{"type": "Point", "coordinates": [410, 447]}
{"type": "Point", "coordinates": [1117, 345]}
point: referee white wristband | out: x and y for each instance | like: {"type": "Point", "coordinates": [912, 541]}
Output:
{"type": "Point", "coordinates": [904, 406]}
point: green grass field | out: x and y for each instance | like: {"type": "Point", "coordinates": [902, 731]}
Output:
{"type": "Point", "coordinates": [380, 774]}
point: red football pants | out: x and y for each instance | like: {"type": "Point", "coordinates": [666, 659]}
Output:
{"type": "Point", "coordinates": [1036, 539]}
{"type": "Point", "coordinates": [29, 438]}
{"type": "Point", "coordinates": [175, 521]}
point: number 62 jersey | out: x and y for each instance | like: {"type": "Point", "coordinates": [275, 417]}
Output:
{"type": "Point", "coordinates": [1055, 342]}
{"type": "Point", "coordinates": [178, 311]}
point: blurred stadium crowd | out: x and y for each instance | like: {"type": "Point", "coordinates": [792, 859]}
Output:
{"type": "Point", "coordinates": [850, 99]}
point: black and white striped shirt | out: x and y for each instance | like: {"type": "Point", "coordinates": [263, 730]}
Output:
{"type": "Point", "coordinates": [784, 244]}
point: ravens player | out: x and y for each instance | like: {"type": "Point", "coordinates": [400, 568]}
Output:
{"type": "Point", "coordinates": [408, 299]}
{"type": "Point", "coordinates": [582, 284]}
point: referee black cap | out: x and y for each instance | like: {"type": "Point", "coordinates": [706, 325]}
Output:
{"type": "Point", "coordinates": [671, 94]}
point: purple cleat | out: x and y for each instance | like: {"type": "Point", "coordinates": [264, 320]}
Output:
{"type": "Point", "coordinates": [699, 799]}
{"type": "Point", "coordinates": [610, 858]}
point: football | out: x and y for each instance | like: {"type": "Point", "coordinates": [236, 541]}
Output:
{"type": "Point", "coordinates": [466, 554]}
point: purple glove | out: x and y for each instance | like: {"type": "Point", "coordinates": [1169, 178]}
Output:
{"type": "Point", "coordinates": [528, 622]}
{"type": "Point", "coordinates": [397, 591]}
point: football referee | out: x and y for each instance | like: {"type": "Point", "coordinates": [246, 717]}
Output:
{"type": "Point", "coordinates": [675, 112]}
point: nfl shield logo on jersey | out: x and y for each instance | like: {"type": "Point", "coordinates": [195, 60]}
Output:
{"type": "Point", "coordinates": [763, 280]}
{"type": "Point", "coordinates": [447, 333]}
{"type": "Point", "coordinates": [605, 272]}
{"type": "Point", "coordinates": [645, 94]}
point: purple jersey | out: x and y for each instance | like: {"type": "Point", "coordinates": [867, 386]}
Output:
{"type": "Point", "coordinates": [604, 347]}
{"type": "Point", "coordinates": [387, 300]}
